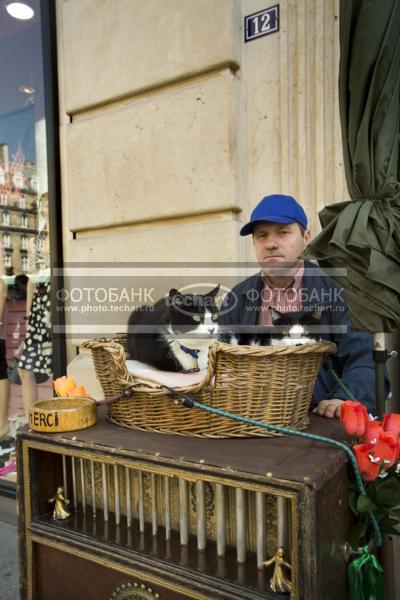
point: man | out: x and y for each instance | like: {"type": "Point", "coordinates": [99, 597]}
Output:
{"type": "Point", "coordinates": [286, 282]}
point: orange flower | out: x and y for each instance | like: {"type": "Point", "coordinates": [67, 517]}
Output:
{"type": "Point", "coordinates": [366, 462]}
{"type": "Point", "coordinates": [63, 385]}
{"type": "Point", "coordinates": [373, 431]}
{"type": "Point", "coordinates": [391, 424]}
{"type": "Point", "coordinates": [386, 449]}
{"type": "Point", "coordinates": [78, 391]}
{"type": "Point", "coordinates": [353, 416]}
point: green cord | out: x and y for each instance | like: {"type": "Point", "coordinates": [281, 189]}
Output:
{"type": "Point", "coordinates": [339, 381]}
{"type": "Point", "coordinates": [189, 402]}
{"type": "Point", "coordinates": [310, 436]}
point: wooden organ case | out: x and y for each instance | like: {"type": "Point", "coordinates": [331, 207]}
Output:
{"type": "Point", "coordinates": [169, 517]}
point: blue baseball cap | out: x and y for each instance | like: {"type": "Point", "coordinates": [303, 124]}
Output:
{"type": "Point", "coordinates": [277, 208]}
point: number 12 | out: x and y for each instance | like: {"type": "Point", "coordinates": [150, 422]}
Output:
{"type": "Point", "coordinates": [265, 19]}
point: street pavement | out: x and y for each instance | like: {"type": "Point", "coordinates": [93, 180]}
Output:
{"type": "Point", "coordinates": [8, 562]}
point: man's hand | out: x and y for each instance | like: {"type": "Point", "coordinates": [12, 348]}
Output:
{"type": "Point", "coordinates": [329, 408]}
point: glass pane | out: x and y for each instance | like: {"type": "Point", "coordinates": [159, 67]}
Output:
{"type": "Point", "coordinates": [24, 225]}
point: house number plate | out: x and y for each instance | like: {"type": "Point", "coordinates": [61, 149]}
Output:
{"type": "Point", "coordinates": [261, 23]}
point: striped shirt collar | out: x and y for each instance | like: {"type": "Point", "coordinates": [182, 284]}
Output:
{"type": "Point", "coordinates": [294, 284]}
{"type": "Point", "coordinates": [281, 299]}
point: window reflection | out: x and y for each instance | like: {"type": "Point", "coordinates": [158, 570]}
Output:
{"type": "Point", "coordinates": [25, 329]}
{"type": "Point", "coordinates": [20, 191]}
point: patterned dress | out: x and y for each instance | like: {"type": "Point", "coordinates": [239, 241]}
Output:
{"type": "Point", "coordinates": [36, 351]}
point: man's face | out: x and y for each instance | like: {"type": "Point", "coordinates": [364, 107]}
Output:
{"type": "Point", "coordinates": [279, 246]}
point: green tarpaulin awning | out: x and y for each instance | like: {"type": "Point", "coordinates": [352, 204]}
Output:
{"type": "Point", "coordinates": [363, 235]}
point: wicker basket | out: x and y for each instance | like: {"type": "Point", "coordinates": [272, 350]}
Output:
{"type": "Point", "coordinates": [271, 384]}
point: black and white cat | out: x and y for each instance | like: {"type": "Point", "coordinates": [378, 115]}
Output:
{"type": "Point", "coordinates": [287, 329]}
{"type": "Point", "coordinates": [182, 329]}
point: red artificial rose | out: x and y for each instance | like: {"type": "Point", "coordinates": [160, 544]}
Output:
{"type": "Point", "coordinates": [391, 424]}
{"type": "Point", "coordinates": [353, 416]}
{"type": "Point", "coordinates": [369, 469]}
{"type": "Point", "coordinates": [386, 449]}
{"type": "Point", "coordinates": [373, 431]}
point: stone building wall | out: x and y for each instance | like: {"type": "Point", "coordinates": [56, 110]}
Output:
{"type": "Point", "coordinates": [173, 128]}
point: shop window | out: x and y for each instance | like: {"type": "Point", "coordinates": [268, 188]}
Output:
{"type": "Point", "coordinates": [24, 154]}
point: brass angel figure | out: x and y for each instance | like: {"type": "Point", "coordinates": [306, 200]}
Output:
{"type": "Point", "coordinates": [60, 502]}
{"type": "Point", "coordinates": [279, 582]}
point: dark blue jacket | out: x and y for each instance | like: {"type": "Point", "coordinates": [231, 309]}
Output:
{"type": "Point", "coordinates": [353, 361]}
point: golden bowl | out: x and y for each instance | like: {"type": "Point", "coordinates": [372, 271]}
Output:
{"type": "Point", "coordinates": [67, 413]}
